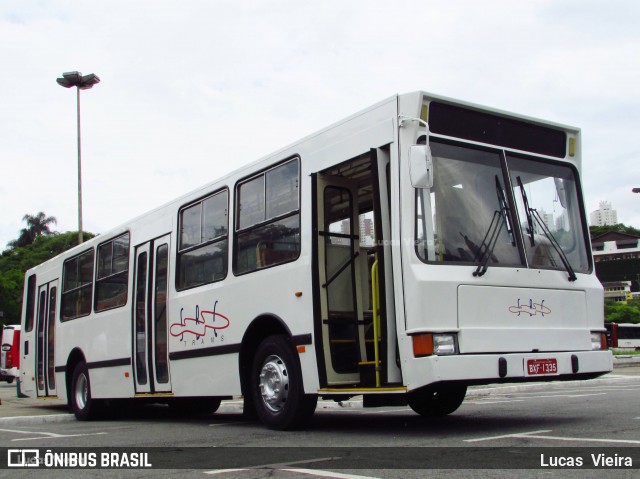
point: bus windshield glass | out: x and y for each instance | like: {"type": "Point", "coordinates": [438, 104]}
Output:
{"type": "Point", "coordinates": [467, 217]}
{"type": "Point", "coordinates": [546, 196]}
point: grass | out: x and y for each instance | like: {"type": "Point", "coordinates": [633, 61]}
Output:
{"type": "Point", "coordinates": [625, 352]}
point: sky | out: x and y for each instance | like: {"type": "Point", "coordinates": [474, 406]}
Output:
{"type": "Point", "coordinates": [193, 89]}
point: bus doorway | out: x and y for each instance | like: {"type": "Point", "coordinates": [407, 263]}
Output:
{"type": "Point", "coordinates": [354, 308]}
{"type": "Point", "coordinates": [45, 339]}
{"type": "Point", "coordinates": [150, 328]}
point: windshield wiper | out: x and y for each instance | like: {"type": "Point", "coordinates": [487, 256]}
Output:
{"type": "Point", "coordinates": [500, 218]}
{"type": "Point", "coordinates": [528, 211]}
{"type": "Point", "coordinates": [555, 244]}
{"type": "Point", "coordinates": [493, 232]}
{"type": "Point", "coordinates": [533, 215]}
{"type": "Point", "coordinates": [505, 210]}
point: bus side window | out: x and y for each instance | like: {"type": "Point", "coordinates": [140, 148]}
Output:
{"type": "Point", "coordinates": [77, 286]}
{"type": "Point", "coordinates": [268, 219]}
{"type": "Point", "coordinates": [31, 302]}
{"type": "Point", "coordinates": [203, 245]}
{"type": "Point", "coordinates": [112, 275]}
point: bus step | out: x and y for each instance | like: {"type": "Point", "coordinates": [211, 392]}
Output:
{"type": "Point", "coordinates": [367, 373]}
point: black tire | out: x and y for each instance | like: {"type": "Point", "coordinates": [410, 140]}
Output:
{"type": "Point", "coordinates": [248, 409]}
{"type": "Point", "coordinates": [9, 381]}
{"type": "Point", "coordinates": [82, 404]}
{"type": "Point", "coordinates": [437, 401]}
{"type": "Point", "coordinates": [276, 385]}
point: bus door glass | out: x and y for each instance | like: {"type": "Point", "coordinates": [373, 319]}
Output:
{"type": "Point", "coordinates": [45, 338]}
{"type": "Point", "coordinates": [150, 343]}
{"type": "Point", "coordinates": [339, 263]}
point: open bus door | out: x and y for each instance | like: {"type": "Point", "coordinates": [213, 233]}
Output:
{"type": "Point", "coordinates": [355, 315]}
{"type": "Point", "coordinates": [340, 262]}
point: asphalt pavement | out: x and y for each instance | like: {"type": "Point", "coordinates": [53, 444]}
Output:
{"type": "Point", "coordinates": [15, 410]}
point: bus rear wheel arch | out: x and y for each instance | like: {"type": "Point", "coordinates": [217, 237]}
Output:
{"type": "Point", "coordinates": [438, 400]}
{"type": "Point", "coordinates": [276, 386]}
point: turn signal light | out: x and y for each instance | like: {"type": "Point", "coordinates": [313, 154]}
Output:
{"type": "Point", "coordinates": [422, 345]}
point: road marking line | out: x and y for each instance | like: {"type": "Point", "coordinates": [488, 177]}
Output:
{"type": "Point", "coordinates": [535, 435]}
{"type": "Point", "coordinates": [278, 466]}
{"type": "Point", "coordinates": [545, 396]}
{"type": "Point", "coordinates": [60, 436]}
{"type": "Point", "coordinates": [504, 436]}
{"type": "Point", "coordinates": [224, 471]}
{"type": "Point", "coordinates": [494, 402]}
{"type": "Point", "coordinates": [46, 435]}
{"type": "Point", "coordinates": [337, 475]}
{"type": "Point", "coordinates": [585, 439]}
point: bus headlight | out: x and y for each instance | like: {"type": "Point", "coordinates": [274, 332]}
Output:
{"type": "Point", "coordinates": [444, 344]}
{"type": "Point", "coordinates": [598, 342]}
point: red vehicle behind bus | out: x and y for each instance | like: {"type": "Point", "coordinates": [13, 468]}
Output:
{"type": "Point", "coordinates": [623, 335]}
{"type": "Point", "coordinates": [10, 358]}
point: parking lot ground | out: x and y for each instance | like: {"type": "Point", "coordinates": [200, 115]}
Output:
{"type": "Point", "coordinates": [15, 410]}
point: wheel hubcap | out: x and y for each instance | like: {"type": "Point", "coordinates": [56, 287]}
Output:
{"type": "Point", "coordinates": [274, 383]}
{"type": "Point", "coordinates": [82, 391]}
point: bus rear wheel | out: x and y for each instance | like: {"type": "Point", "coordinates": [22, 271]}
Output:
{"type": "Point", "coordinates": [276, 385]}
{"type": "Point", "coordinates": [84, 407]}
{"type": "Point", "coordinates": [437, 401]}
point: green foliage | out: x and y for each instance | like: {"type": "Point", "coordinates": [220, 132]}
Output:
{"type": "Point", "coordinates": [617, 312]}
{"type": "Point", "coordinates": [15, 261]}
{"type": "Point", "coordinates": [37, 225]}
{"type": "Point", "coordinates": [618, 228]}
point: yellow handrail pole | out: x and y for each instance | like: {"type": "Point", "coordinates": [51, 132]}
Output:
{"type": "Point", "coordinates": [375, 300]}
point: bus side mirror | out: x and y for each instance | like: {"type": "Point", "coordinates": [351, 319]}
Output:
{"type": "Point", "coordinates": [421, 166]}
{"type": "Point", "coordinates": [562, 192]}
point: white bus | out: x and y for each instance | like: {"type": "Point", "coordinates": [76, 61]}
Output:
{"type": "Point", "coordinates": [411, 250]}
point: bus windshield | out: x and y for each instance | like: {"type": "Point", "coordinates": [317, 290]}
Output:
{"type": "Point", "coordinates": [467, 217]}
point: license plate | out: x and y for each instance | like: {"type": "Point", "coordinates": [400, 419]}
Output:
{"type": "Point", "coordinates": [541, 367]}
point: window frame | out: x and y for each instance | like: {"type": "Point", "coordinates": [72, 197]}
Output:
{"type": "Point", "coordinates": [65, 293]}
{"type": "Point", "coordinates": [31, 298]}
{"type": "Point", "coordinates": [514, 215]}
{"type": "Point", "coordinates": [124, 272]}
{"type": "Point", "coordinates": [203, 244]}
{"type": "Point", "coordinates": [238, 231]}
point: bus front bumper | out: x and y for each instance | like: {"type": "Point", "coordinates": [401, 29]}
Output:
{"type": "Point", "coordinates": [512, 367]}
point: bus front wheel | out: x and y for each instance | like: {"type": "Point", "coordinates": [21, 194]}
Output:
{"type": "Point", "coordinates": [277, 389]}
{"type": "Point", "coordinates": [437, 401]}
{"type": "Point", "coordinates": [82, 404]}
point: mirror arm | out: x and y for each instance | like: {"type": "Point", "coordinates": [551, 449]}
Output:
{"type": "Point", "coordinates": [402, 120]}
{"type": "Point", "coordinates": [426, 176]}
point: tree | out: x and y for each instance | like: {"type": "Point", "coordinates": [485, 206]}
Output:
{"type": "Point", "coordinates": [619, 312]}
{"type": "Point", "coordinates": [15, 261]}
{"type": "Point", "coordinates": [618, 228]}
{"type": "Point", "coordinates": [37, 225]}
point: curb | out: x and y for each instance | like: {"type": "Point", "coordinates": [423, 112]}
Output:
{"type": "Point", "coordinates": [28, 420]}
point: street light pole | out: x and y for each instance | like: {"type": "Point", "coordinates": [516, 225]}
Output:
{"type": "Point", "coordinates": [76, 79]}
{"type": "Point", "coordinates": [80, 238]}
